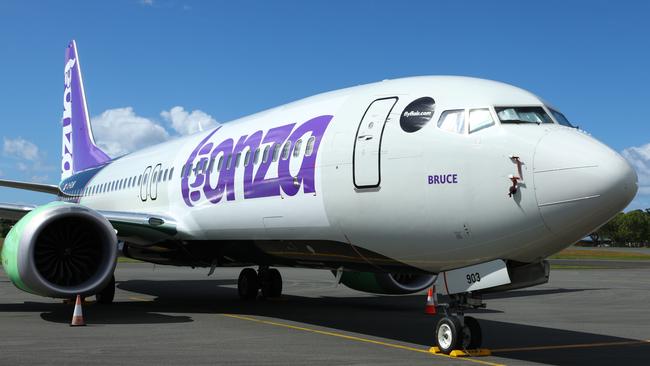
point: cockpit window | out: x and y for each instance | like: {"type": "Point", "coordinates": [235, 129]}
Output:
{"type": "Point", "coordinates": [479, 119]}
{"type": "Point", "coordinates": [559, 117]}
{"type": "Point", "coordinates": [523, 115]}
{"type": "Point", "coordinates": [452, 121]}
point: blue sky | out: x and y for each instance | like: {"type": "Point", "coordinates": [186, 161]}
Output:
{"type": "Point", "coordinates": [161, 65]}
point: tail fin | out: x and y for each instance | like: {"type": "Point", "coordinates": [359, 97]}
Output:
{"type": "Point", "coordinates": [79, 151]}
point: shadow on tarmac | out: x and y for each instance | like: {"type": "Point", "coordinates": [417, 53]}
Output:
{"type": "Point", "coordinates": [399, 318]}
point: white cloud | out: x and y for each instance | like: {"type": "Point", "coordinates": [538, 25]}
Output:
{"type": "Point", "coordinates": [639, 158]}
{"type": "Point", "coordinates": [187, 123]}
{"type": "Point", "coordinates": [146, 2]}
{"type": "Point", "coordinates": [119, 131]}
{"type": "Point", "coordinates": [21, 148]}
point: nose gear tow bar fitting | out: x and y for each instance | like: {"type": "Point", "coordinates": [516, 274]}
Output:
{"type": "Point", "coordinates": [515, 179]}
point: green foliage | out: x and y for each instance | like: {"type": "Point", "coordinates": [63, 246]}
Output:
{"type": "Point", "coordinates": [628, 228]}
{"type": "Point", "coordinates": [5, 226]}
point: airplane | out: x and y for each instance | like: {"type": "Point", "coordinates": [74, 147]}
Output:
{"type": "Point", "coordinates": [397, 186]}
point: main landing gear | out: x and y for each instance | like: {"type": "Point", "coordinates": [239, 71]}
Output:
{"type": "Point", "coordinates": [455, 330]}
{"type": "Point", "coordinates": [250, 282]}
{"type": "Point", "coordinates": [107, 294]}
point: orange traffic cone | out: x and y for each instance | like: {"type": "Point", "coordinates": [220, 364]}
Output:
{"type": "Point", "coordinates": [430, 308]}
{"type": "Point", "coordinates": [77, 316]}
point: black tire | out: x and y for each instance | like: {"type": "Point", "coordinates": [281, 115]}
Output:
{"type": "Point", "coordinates": [248, 284]}
{"type": "Point", "coordinates": [472, 335]}
{"type": "Point", "coordinates": [448, 334]}
{"type": "Point", "coordinates": [107, 294]}
{"type": "Point", "coordinates": [271, 283]}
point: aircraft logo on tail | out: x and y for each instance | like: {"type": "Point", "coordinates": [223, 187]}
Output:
{"type": "Point", "coordinates": [78, 150]}
{"type": "Point", "coordinates": [66, 147]}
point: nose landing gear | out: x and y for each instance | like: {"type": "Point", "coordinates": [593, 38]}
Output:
{"type": "Point", "coordinates": [250, 282]}
{"type": "Point", "coordinates": [455, 331]}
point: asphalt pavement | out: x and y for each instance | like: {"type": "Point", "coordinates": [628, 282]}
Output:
{"type": "Point", "coordinates": [170, 316]}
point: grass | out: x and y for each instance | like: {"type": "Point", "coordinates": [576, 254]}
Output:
{"type": "Point", "coordinates": [600, 254]}
{"type": "Point", "coordinates": [127, 260]}
{"type": "Point", "coordinates": [566, 266]}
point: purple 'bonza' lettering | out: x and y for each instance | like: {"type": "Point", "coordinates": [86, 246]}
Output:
{"type": "Point", "coordinates": [305, 177]}
{"type": "Point", "coordinates": [255, 183]}
{"type": "Point", "coordinates": [251, 142]}
{"type": "Point", "coordinates": [263, 186]}
{"type": "Point", "coordinates": [193, 195]}
{"type": "Point", "coordinates": [226, 180]}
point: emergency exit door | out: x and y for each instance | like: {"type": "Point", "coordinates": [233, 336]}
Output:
{"type": "Point", "coordinates": [366, 163]}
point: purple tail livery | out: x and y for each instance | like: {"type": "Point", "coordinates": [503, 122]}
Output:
{"type": "Point", "coordinates": [78, 151]}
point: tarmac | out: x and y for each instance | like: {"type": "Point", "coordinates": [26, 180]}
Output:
{"type": "Point", "coordinates": [171, 316]}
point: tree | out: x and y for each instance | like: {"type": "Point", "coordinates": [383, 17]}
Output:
{"type": "Point", "coordinates": [611, 228]}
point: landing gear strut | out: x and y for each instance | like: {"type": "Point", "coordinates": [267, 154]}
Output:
{"type": "Point", "coordinates": [455, 330]}
{"type": "Point", "coordinates": [107, 294]}
{"type": "Point", "coordinates": [266, 279]}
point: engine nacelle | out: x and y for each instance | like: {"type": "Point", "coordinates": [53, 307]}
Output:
{"type": "Point", "coordinates": [60, 250]}
{"type": "Point", "coordinates": [387, 283]}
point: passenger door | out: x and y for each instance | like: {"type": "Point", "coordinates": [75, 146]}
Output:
{"type": "Point", "coordinates": [367, 144]}
{"type": "Point", "coordinates": [144, 184]}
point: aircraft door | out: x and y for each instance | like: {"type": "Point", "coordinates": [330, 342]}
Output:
{"type": "Point", "coordinates": [367, 144]}
{"type": "Point", "coordinates": [144, 186]}
{"type": "Point", "coordinates": [155, 178]}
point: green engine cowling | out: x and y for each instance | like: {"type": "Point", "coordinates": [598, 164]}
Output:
{"type": "Point", "coordinates": [387, 283]}
{"type": "Point", "coordinates": [60, 250]}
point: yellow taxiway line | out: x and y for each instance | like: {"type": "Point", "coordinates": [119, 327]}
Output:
{"type": "Point", "coordinates": [570, 346]}
{"type": "Point", "coordinates": [354, 338]}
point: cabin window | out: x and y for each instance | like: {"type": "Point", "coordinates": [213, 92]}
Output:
{"type": "Point", "coordinates": [256, 158]}
{"type": "Point", "coordinates": [211, 166]}
{"type": "Point", "coordinates": [220, 164]}
{"type": "Point", "coordinates": [296, 148]}
{"type": "Point", "coordinates": [128, 184]}
{"type": "Point", "coordinates": [480, 119]}
{"type": "Point", "coordinates": [286, 150]}
{"type": "Point", "coordinates": [276, 152]}
{"type": "Point", "coordinates": [265, 157]}
{"type": "Point", "coordinates": [247, 157]}
{"type": "Point", "coordinates": [171, 173]}
{"type": "Point", "coordinates": [237, 157]}
{"type": "Point", "coordinates": [309, 149]}
{"type": "Point", "coordinates": [228, 162]}
{"type": "Point", "coordinates": [452, 121]}
{"type": "Point", "coordinates": [140, 179]}
{"type": "Point", "coordinates": [165, 175]}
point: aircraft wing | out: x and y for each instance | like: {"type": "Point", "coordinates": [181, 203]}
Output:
{"type": "Point", "coordinates": [37, 187]}
{"type": "Point", "coordinates": [14, 212]}
{"type": "Point", "coordinates": [137, 227]}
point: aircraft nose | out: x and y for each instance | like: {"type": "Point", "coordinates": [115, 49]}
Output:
{"type": "Point", "coordinates": [580, 183]}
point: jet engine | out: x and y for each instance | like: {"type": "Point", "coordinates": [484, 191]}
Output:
{"type": "Point", "coordinates": [60, 250]}
{"type": "Point", "coordinates": [387, 283]}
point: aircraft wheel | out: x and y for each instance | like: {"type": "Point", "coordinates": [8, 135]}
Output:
{"type": "Point", "coordinates": [271, 283]}
{"type": "Point", "coordinates": [472, 336]}
{"type": "Point", "coordinates": [248, 284]}
{"type": "Point", "coordinates": [107, 294]}
{"type": "Point", "coordinates": [448, 334]}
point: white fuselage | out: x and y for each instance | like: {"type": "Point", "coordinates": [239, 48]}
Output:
{"type": "Point", "coordinates": [431, 199]}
